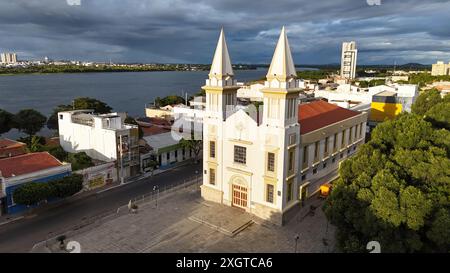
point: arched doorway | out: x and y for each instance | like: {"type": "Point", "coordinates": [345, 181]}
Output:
{"type": "Point", "coordinates": [239, 193]}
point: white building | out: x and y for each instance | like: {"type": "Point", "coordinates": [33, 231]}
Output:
{"type": "Point", "coordinates": [440, 69]}
{"type": "Point", "coordinates": [167, 150]}
{"type": "Point", "coordinates": [348, 60]}
{"type": "Point", "coordinates": [103, 137]}
{"type": "Point", "coordinates": [8, 58]}
{"type": "Point", "coordinates": [353, 97]}
{"type": "Point", "coordinates": [263, 161]}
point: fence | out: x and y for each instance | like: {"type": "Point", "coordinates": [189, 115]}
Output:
{"type": "Point", "coordinates": [161, 192]}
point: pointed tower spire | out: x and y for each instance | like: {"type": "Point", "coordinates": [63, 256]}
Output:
{"type": "Point", "coordinates": [282, 66]}
{"type": "Point", "coordinates": [221, 64]}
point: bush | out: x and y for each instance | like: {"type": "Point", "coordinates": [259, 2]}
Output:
{"type": "Point", "coordinates": [32, 193]}
{"type": "Point", "coordinates": [67, 186]}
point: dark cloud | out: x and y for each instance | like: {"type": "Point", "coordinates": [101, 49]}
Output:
{"type": "Point", "coordinates": [186, 30]}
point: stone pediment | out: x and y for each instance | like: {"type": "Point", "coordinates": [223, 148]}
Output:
{"type": "Point", "coordinates": [240, 126]}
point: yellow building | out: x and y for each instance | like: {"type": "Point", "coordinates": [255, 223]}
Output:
{"type": "Point", "coordinates": [385, 105]}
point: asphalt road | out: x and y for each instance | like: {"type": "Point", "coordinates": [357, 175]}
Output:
{"type": "Point", "coordinates": [22, 235]}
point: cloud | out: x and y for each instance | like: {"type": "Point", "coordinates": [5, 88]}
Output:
{"type": "Point", "coordinates": [187, 30]}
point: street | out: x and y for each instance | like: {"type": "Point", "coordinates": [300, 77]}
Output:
{"type": "Point", "coordinates": [20, 236]}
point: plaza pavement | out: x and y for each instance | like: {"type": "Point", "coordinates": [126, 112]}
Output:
{"type": "Point", "coordinates": [167, 228]}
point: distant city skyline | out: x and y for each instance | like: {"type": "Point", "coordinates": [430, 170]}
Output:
{"type": "Point", "coordinates": [181, 31]}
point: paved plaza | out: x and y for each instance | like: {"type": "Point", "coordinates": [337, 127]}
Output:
{"type": "Point", "coordinates": [173, 225]}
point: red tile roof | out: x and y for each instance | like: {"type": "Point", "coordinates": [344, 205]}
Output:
{"type": "Point", "coordinates": [318, 114]}
{"type": "Point", "coordinates": [8, 143]}
{"type": "Point", "coordinates": [154, 130]}
{"type": "Point", "coordinates": [27, 163]}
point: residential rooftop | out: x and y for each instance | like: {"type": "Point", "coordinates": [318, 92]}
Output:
{"type": "Point", "coordinates": [27, 163]}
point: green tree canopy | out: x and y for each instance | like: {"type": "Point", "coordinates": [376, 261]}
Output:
{"type": "Point", "coordinates": [80, 161]}
{"type": "Point", "coordinates": [169, 100]}
{"type": "Point", "coordinates": [194, 145]}
{"type": "Point", "coordinates": [6, 121]}
{"type": "Point", "coordinates": [80, 103]}
{"type": "Point", "coordinates": [29, 121]}
{"type": "Point", "coordinates": [31, 193]}
{"type": "Point", "coordinates": [395, 190]}
{"type": "Point", "coordinates": [425, 101]}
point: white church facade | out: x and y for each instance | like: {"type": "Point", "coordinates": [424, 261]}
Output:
{"type": "Point", "coordinates": [262, 161]}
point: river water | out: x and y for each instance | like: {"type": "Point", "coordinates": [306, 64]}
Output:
{"type": "Point", "coordinates": [124, 92]}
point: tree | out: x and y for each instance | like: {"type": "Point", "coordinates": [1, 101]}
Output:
{"type": "Point", "coordinates": [425, 101]}
{"type": "Point", "coordinates": [439, 115]}
{"type": "Point", "coordinates": [29, 121]}
{"type": "Point", "coordinates": [6, 121]}
{"type": "Point", "coordinates": [395, 190]}
{"type": "Point", "coordinates": [31, 193]}
{"type": "Point", "coordinates": [35, 144]}
{"type": "Point", "coordinates": [80, 161]}
{"type": "Point", "coordinates": [59, 153]}
{"type": "Point", "coordinates": [169, 100]}
{"type": "Point", "coordinates": [52, 122]}
{"type": "Point", "coordinates": [97, 106]}
{"type": "Point", "coordinates": [194, 145]}
{"type": "Point", "coordinates": [67, 186]}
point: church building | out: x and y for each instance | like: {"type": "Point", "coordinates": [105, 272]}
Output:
{"type": "Point", "coordinates": [266, 157]}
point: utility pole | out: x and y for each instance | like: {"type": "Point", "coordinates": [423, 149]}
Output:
{"type": "Point", "coordinates": [121, 159]}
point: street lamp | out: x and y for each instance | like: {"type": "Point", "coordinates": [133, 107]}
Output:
{"type": "Point", "coordinates": [296, 241]}
{"type": "Point", "coordinates": [156, 188]}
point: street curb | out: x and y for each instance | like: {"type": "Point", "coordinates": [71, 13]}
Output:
{"type": "Point", "coordinates": [11, 221]}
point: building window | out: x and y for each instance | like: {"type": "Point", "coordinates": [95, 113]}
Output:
{"type": "Point", "coordinates": [240, 154]}
{"type": "Point", "coordinates": [168, 156]}
{"type": "Point", "coordinates": [212, 149]}
{"type": "Point", "coordinates": [305, 154]}
{"type": "Point", "coordinates": [60, 116]}
{"type": "Point", "coordinates": [335, 142]}
{"type": "Point", "coordinates": [304, 177]}
{"type": "Point", "coordinates": [292, 139]}
{"type": "Point", "coordinates": [350, 136]}
{"type": "Point", "coordinates": [326, 145]}
{"type": "Point", "coordinates": [316, 151]}
{"type": "Point", "coordinates": [356, 132]}
{"type": "Point", "coordinates": [341, 155]}
{"type": "Point", "coordinates": [360, 130]}
{"type": "Point", "coordinates": [333, 160]}
{"type": "Point", "coordinates": [315, 171]}
{"type": "Point", "coordinates": [290, 113]}
{"type": "Point", "coordinates": [271, 162]}
{"type": "Point", "coordinates": [289, 191]}
{"type": "Point", "coordinates": [291, 161]}
{"type": "Point", "coordinates": [269, 193]}
{"type": "Point", "coordinates": [176, 154]}
{"type": "Point", "coordinates": [324, 165]}
{"type": "Point", "coordinates": [343, 140]}
{"type": "Point", "coordinates": [212, 176]}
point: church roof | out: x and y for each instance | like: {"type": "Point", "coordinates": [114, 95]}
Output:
{"type": "Point", "coordinates": [318, 114]}
{"type": "Point", "coordinates": [221, 64]}
{"type": "Point", "coordinates": [282, 65]}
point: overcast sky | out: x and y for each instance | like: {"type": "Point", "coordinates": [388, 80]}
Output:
{"type": "Point", "coordinates": [186, 31]}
